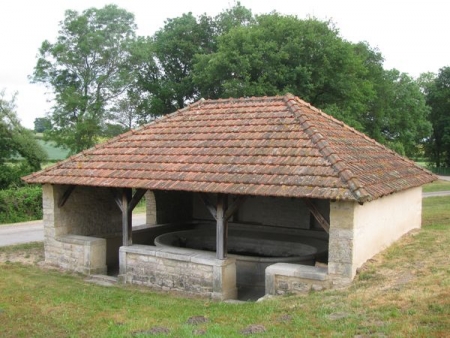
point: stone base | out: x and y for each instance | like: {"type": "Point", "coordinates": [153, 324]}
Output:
{"type": "Point", "coordinates": [285, 278]}
{"type": "Point", "coordinates": [82, 254]}
{"type": "Point", "coordinates": [173, 269]}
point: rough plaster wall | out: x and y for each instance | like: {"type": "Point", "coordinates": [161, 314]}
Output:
{"type": "Point", "coordinates": [358, 232]}
{"type": "Point", "coordinates": [89, 211]}
{"type": "Point", "coordinates": [381, 222]}
{"type": "Point", "coordinates": [200, 212]}
{"type": "Point", "coordinates": [173, 206]}
{"type": "Point", "coordinates": [283, 212]}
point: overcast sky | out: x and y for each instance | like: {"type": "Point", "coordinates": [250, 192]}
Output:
{"type": "Point", "coordinates": [413, 36]}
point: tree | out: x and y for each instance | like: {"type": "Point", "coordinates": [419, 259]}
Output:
{"type": "Point", "coordinates": [15, 142]}
{"type": "Point", "coordinates": [276, 54]}
{"type": "Point", "coordinates": [88, 69]}
{"type": "Point", "coordinates": [397, 116]}
{"type": "Point", "coordinates": [438, 98]}
{"type": "Point", "coordinates": [42, 124]}
{"type": "Point", "coordinates": [168, 58]}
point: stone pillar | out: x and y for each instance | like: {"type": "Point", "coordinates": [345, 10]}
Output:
{"type": "Point", "coordinates": [340, 254]}
{"type": "Point", "coordinates": [150, 208]}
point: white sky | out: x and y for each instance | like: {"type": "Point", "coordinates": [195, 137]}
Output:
{"type": "Point", "coordinates": [413, 35]}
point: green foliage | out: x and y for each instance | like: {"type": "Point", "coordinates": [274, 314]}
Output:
{"type": "Point", "coordinates": [438, 98]}
{"type": "Point", "coordinates": [42, 124]}
{"type": "Point", "coordinates": [106, 80]}
{"type": "Point", "coordinates": [16, 142]}
{"type": "Point", "coordinates": [20, 204]}
{"type": "Point", "coordinates": [88, 68]}
{"type": "Point", "coordinates": [397, 116]}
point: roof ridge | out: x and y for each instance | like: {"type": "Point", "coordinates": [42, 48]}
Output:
{"type": "Point", "coordinates": [355, 186]}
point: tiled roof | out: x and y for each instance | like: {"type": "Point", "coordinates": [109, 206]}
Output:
{"type": "Point", "coordinates": [271, 146]}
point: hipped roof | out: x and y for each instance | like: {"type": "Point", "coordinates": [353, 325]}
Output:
{"type": "Point", "coordinates": [270, 146]}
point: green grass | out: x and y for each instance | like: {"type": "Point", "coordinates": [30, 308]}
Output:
{"type": "Point", "coordinates": [54, 153]}
{"type": "Point", "coordinates": [439, 185]}
{"type": "Point", "coordinates": [403, 292]}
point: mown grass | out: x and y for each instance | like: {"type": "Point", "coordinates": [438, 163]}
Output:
{"type": "Point", "coordinates": [439, 185]}
{"type": "Point", "coordinates": [403, 292]}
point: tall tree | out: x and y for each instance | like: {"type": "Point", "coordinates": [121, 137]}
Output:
{"type": "Point", "coordinates": [277, 54]}
{"type": "Point", "coordinates": [168, 70]}
{"type": "Point", "coordinates": [88, 70]}
{"type": "Point", "coordinates": [16, 141]}
{"type": "Point", "coordinates": [438, 98]}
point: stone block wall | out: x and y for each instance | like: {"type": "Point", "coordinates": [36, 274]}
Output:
{"type": "Point", "coordinates": [82, 254]}
{"type": "Point", "coordinates": [285, 278]}
{"type": "Point", "coordinates": [72, 231]}
{"type": "Point", "coordinates": [188, 271]}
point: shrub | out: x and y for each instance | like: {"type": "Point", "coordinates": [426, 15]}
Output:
{"type": "Point", "coordinates": [20, 204]}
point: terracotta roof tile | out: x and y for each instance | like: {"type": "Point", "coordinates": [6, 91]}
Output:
{"type": "Point", "coordinates": [272, 146]}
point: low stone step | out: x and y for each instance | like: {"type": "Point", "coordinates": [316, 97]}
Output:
{"type": "Point", "coordinates": [103, 280]}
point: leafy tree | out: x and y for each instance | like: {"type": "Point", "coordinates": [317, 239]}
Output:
{"type": "Point", "coordinates": [168, 58]}
{"type": "Point", "coordinates": [438, 98]}
{"type": "Point", "coordinates": [276, 54]}
{"type": "Point", "coordinates": [42, 124]}
{"type": "Point", "coordinates": [88, 69]}
{"type": "Point", "coordinates": [15, 142]}
{"type": "Point", "coordinates": [398, 114]}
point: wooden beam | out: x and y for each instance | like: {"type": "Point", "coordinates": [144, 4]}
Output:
{"type": "Point", "coordinates": [212, 209]}
{"type": "Point", "coordinates": [66, 195]}
{"type": "Point", "coordinates": [117, 197]}
{"type": "Point", "coordinates": [136, 198]}
{"type": "Point", "coordinates": [222, 227]}
{"type": "Point", "coordinates": [126, 218]}
{"type": "Point", "coordinates": [234, 207]}
{"type": "Point", "coordinates": [317, 215]}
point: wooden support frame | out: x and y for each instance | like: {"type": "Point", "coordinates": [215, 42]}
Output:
{"type": "Point", "coordinates": [317, 215]}
{"type": "Point", "coordinates": [222, 213]}
{"type": "Point", "coordinates": [127, 223]}
{"type": "Point", "coordinates": [66, 195]}
{"type": "Point", "coordinates": [127, 202]}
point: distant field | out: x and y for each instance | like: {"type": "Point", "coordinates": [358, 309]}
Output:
{"type": "Point", "coordinates": [54, 153]}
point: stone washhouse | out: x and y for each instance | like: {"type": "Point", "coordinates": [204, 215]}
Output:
{"type": "Point", "coordinates": [245, 197]}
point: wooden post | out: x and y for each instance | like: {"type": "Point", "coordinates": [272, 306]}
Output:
{"type": "Point", "coordinates": [222, 227]}
{"type": "Point", "coordinates": [126, 217]}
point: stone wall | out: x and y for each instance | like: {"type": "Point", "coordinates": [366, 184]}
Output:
{"type": "Point", "coordinates": [72, 231]}
{"type": "Point", "coordinates": [285, 278]}
{"type": "Point", "coordinates": [187, 271]}
{"type": "Point", "coordinates": [358, 232]}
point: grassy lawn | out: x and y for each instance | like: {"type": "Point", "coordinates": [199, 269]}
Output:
{"type": "Point", "coordinates": [403, 292]}
{"type": "Point", "coordinates": [439, 185]}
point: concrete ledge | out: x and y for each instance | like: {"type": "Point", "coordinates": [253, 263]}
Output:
{"type": "Point", "coordinates": [283, 278]}
{"type": "Point", "coordinates": [296, 270]}
{"type": "Point", "coordinates": [81, 240]}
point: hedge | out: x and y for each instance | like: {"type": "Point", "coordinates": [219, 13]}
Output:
{"type": "Point", "coordinates": [20, 204]}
